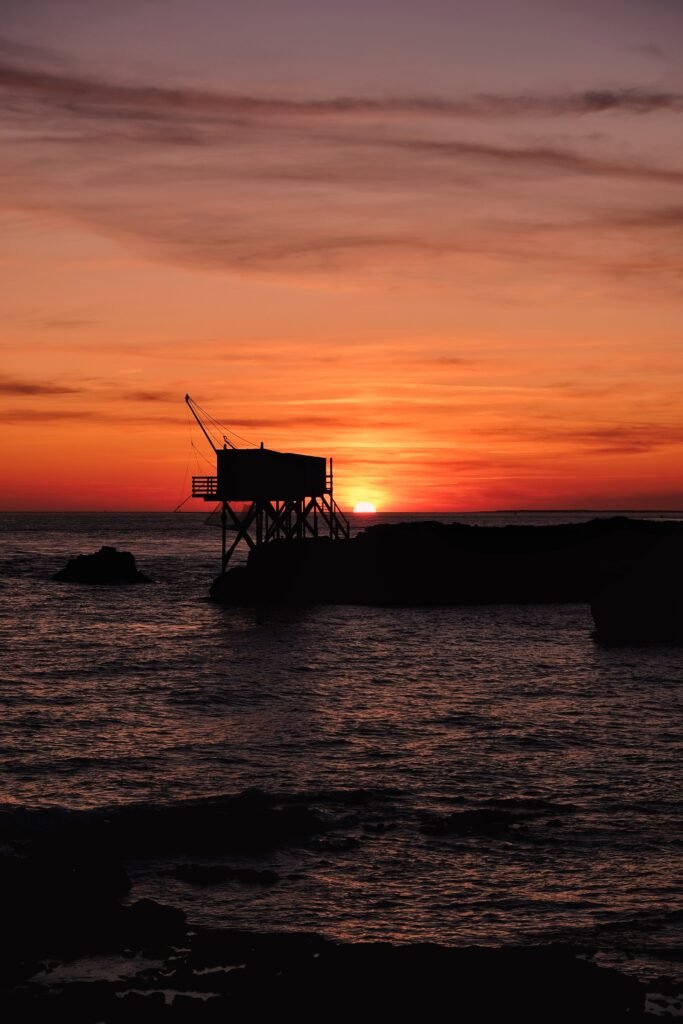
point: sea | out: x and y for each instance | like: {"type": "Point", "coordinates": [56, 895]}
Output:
{"type": "Point", "coordinates": [384, 719]}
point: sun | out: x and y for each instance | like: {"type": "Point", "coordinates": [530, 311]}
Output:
{"type": "Point", "coordinates": [364, 506]}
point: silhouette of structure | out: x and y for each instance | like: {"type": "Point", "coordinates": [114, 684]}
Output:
{"type": "Point", "coordinates": [287, 496]}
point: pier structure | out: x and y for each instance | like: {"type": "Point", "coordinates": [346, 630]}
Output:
{"type": "Point", "coordinates": [265, 495]}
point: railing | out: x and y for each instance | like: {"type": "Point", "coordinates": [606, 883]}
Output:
{"type": "Point", "coordinates": [345, 526]}
{"type": "Point", "coordinates": [204, 486]}
{"type": "Point", "coordinates": [207, 487]}
{"type": "Point", "coordinates": [333, 516]}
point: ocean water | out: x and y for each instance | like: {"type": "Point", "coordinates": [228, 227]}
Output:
{"type": "Point", "coordinates": [153, 694]}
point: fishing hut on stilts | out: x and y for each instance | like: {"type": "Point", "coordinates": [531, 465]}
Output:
{"type": "Point", "coordinates": [266, 495]}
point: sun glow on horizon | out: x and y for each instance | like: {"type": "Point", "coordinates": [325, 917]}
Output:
{"type": "Point", "coordinates": [364, 506]}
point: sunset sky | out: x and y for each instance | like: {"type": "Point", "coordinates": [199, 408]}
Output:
{"type": "Point", "coordinates": [439, 241]}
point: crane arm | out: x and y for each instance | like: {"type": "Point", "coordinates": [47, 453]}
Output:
{"type": "Point", "coordinates": [191, 407]}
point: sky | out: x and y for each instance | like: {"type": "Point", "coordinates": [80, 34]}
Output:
{"type": "Point", "coordinates": [437, 241]}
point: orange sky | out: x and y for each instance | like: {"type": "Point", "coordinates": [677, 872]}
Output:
{"type": "Point", "coordinates": [465, 289]}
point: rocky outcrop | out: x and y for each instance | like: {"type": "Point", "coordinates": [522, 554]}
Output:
{"type": "Point", "coordinates": [104, 566]}
{"type": "Point", "coordinates": [189, 976]}
{"type": "Point", "coordinates": [429, 563]}
{"type": "Point", "coordinates": [249, 822]}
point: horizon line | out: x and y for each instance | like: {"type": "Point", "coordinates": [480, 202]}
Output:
{"type": "Point", "coordinates": [388, 512]}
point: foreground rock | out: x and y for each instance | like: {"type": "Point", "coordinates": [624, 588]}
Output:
{"type": "Point", "coordinates": [104, 566]}
{"type": "Point", "coordinates": [433, 563]}
{"type": "Point", "coordinates": [63, 875]}
{"type": "Point", "coordinates": [250, 822]}
{"type": "Point", "coordinates": [196, 975]}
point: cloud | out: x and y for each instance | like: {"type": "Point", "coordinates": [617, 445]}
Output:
{"type": "Point", "coordinates": [20, 387]}
{"type": "Point", "coordinates": [651, 50]}
{"type": "Point", "coordinates": [44, 414]}
{"type": "Point", "coordinates": [651, 217]}
{"type": "Point", "coordinates": [542, 158]}
{"type": "Point", "coordinates": [17, 386]}
{"type": "Point", "coordinates": [435, 358]}
{"type": "Point", "coordinates": [632, 438]}
{"type": "Point", "coordinates": [130, 102]}
{"type": "Point", "coordinates": [13, 50]}
{"type": "Point", "coordinates": [152, 396]}
{"type": "Point", "coordinates": [321, 187]}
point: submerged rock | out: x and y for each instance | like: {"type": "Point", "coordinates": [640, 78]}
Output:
{"type": "Point", "coordinates": [212, 874]}
{"type": "Point", "coordinates": [477, 822]}
{"type": "Point", "coordinates": [108, 565]}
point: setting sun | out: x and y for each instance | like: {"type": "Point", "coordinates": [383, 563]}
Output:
{"type": "Point", "coordinates": [364, 506]}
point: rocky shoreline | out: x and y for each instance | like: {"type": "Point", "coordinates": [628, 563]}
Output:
{"type": "Point", "coordinates": [163, 970]}
{"type": "Point", "coordinates": [80, 950]}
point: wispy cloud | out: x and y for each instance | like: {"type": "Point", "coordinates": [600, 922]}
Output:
{"type": "Point", "coordinates": [103, 389]}
{"type": "Point", "coordinates": [632, 438]}
{"type": "Point", "coordinates": [37, 415]}
{"type": "Point", "coordinates": [46, 415]}
{"type": "Point", "coordinates": [18, 386]}
{"type": "Point", "coordinates": [116, 99]}
{"type": "Point", "coordinates": [542, 158]}
{"type": "Point", "coordinates": [294, 187]}
{"type": "Point", "coordinates": [152, 396]}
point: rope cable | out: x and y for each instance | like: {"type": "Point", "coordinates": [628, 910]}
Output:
{"type": "Point", "coordinates": [200, 455]}
{"type": "Point", "coordinates": [221, 427]}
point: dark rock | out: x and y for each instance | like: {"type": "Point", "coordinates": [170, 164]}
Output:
{"type": "Point", "coordinates": [211, 874]}
{"type": "Point", "coordinates": [252, 821]}
{"type": "Point", "coordinates": [77, 1003]}
{"type": "Point", "coordinates": [479, 822]}
{"type": "Point", "coordinates": [496, 817]}
{"type": "Point", "coordinates": [55, 895]}
{"type": "Point", "coordinates": [143, 1006]}
{"type": "Point", "coordinates": [147, 923]}
{"type": "Point", "coordinates": [104, 566]}
{"type": "Point", "coordinates": [245, 975]}
{"type": "Point", "coordinates": [435, 563]}
{"type": "Point", "coordinates": [285, 972]}
{"type": "Point", "coordinates": [231, 587]}
{"type": "Point", "coordinates": [641, 604]}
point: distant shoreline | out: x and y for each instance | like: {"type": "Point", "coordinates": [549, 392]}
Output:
{"type": "Point", "coordinates": [369, 516]}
